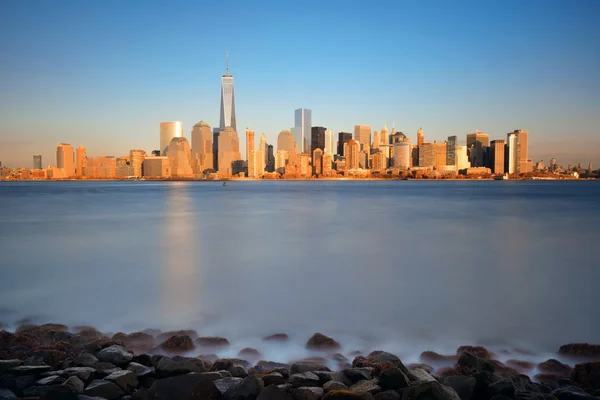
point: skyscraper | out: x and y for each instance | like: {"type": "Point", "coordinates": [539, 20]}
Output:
{"type": "Point", "coordinates": [329, 142]}
{"type": "Point", "coordinates": [451, 150]}
{"type": "Point", "coordinates": [179, 154]}
{"type": "Point", "coordinates": [376, 140]}
{"type": "Point", "coordinates": [352, 152]}
{"type": "Point", "coordinates": [202, 146]}
{"type": "Point", "coordinates": [343, 138]}
{"type": "Point", "coordinates": [229, 151]}
{"type": "Point", "coordinates": [511, 159]}
{"type": "Point", "coordinates": [270, 158]}
{"type": "Point", "coordinates": [168, 131]}
{"type": "Point", "coordinates": [402, 155]}
{"type": "Point", "coordinates": [317, 134]}
{"type": "Point", "coordinates": [136, 161]}
{"type": "Point", "coordinates": [497, 156]}
{"type": "Point", "coordinates": [227, 99]}
{"type": "Point", "coordinates": [518, 142]}
{"type": "Point", "coordinates": [249, 143]}
{"type": "Point", "coordinates": [317, 161]}
{"type": "Point", "coordinates": [65, 162]}
{"type": "Point", "coordinates": [37, 161]}
{"type": "Point", "coordinates": [420, 137]}
{"type": "Point", "coordinates": [384, 137]}
{"type": "Point", "coordinates": [302, 129]}
{"type": "Point", "coordinates": [362, 134]}
{"type": "Point", "coordinates": [262, 146]}
{"type": "Point", "coordinates": [286, 142]}
{"type": "Point", "coordinates": [80, 161]}
{"type": "Point", "coordinates": [477, 142]}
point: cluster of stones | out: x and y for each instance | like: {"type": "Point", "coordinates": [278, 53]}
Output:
{"type": "Point", "coordinates": [47, 362]}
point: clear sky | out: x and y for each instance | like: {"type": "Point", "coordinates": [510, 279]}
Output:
{"type": "Point", "coordinates": [103, 74]}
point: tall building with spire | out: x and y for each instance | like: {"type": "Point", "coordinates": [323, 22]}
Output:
{"type": "Point", "coordinates": [227, 99]}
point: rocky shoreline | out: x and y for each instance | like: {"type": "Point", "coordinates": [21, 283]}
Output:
{"type": "Point", "coordinates": [54, 362]}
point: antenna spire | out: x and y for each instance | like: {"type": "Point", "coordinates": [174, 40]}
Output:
{"type": "Point", "coordinates": [227, 62]}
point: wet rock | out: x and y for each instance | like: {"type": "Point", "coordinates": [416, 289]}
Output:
{"type": "Point", "coordinates": [225, 363]}
{"type": "Point", "coordinates": [274, 378]}
{"type": "Point", "coordinates": [184, 387]}
{"type": "Point", "coordinates": [102, 388]}
{"type": "Point", "coordinates": [179, 365]}
{"type": "Point", "coordinates": [97, 345]}
{"type": "Point", "coordinates": [377, 364]}
{"type": "Point", "coordinates": [29, 369]}
{"type": "Point", "coordinates": [477, 351]}
{"type": "Point", "coordinates": [140, 370]}
{"type": "Point", "coordinates": [212, 342]}
{"type": "Point", "coordinates": [115, 354]}
{"type": "Point", "coordinates": [572, 393]}
{"type": "Point", "coordinates": [587, 375]}
{"type": "Point", "coordinates": [338, 357]}
{"type": "Point", "coordinates": [371, 386]}
{"type": "Point", "coordinates": [178, 344]}
{"type": "Point", "coordinates": [247, 389]}
{"type": "Point", "coordinates": [341, 377]}
{"type": "Point", "coordinates": [581, 350]}
{"type": "Point", "coordinates": [324, 376]}
{"type": "Point", "coordinates": [144, 359]}
{"type": "Point", "coordinates": [357, 374]}
{"type": "Point", "coordinates": [334, 385]}
{"type": "Point", "coordinates": [438, 359]}
{"type": "Point", "coordinates": [83, 373]}
{"type": "Point", "coordinates": [425, 367]}
{"type": "Point", "coordinates": [471, 363]}
{"type": "Point", "coordinates": [6, 365]}
{"type": "Point", "coordinates": [388, 395]}
{"type": "Point", "coordinates": [464, 386]}
{"type": "Point", "coordinates": [393, 379]}
{"type": "Point", "coordinates": [502, 370]}
{"type": "Point", "coordinates": [304, 379]}
{"type": "Point", "coordinates": [135, 339]}
{"type": "Point", "coordinates": [249, 353]}
{"type": "Point", "coordinates": [379, 355]}
{"type": "Point", "coordinates": [298, 368]}
{"type": "Point", "coordinates": [22, 382]}
{"type": "Point", "coordinates": [274, 393]}
{"type": "Point", "coordinates": [50, 380]}
{"type": "Point", "coordinates": [347, 395]}
{"type": "Point", "coordinates": [512, 386]}
{"type": "Point", "coordinates": [554, 367]}
{"type": "Point", "coordinates": [237, 371]}
{"type": "Point", "coordinates": [161, 337]}
{"type": "Point", "coordinates": [226, 384]}
{"type": "Point", "coordinates": [6, 394]}
{"type": "Point", "coordinates": [307, 393]}
{"type": "Point", "coordinates": [76, 384]}
{"type": "Point", "coordinates": [551, 380]}
{"type": "Point", "coordinates": [278, 337]}
{"type": "Point", "coordinates": [521, 366]}
{"type": "Point", "coordinates": [268, 365]}
{"type": "Point", "coordinates": [84, 360]}
{"type": "Point", "coordinates": [213, 375]}
{"type": "Point", "coordinates": [418, 376]}
{"type": "Point", "coordinates": [318, 341]}
{"type": "Point", "coordinates": [54, 392]}
{"type": "Point", "coordinates": [125, 379]}
{"type": "Point", "coordinates": [431, 391]}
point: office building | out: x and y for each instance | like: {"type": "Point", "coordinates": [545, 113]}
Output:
{"type": "Point", "coordinates": [497, 149]}
{"type": "Point", "coordinates": [440, 155]}
{"type": "Point", "coordinates": [102, 167]}
{"type": "Point", "coordinates": [379, 160]}
{"type": "Point", "coordinates": [402, 155]}
{"type": "Point", "coordinates": [511, 156]}
{"type": "Point", "coordinates": [521, 153]}
{"type": "Point", "coordinates": [327, 164]}
{"type": "Point", "coordinates": [179, 155]}
{"type": "Point", "coordinates": [168, 131]}
{"type": "Point", "coordinates": [552, 165]}
{"type": "Point", "coordinates": [329, 142]}
{"type": "Point", "coordinates": [362, 134]}
{"type": "Point", "coordinates": [249, 142]}
{"type": "Point", "coordinates": [123, 170]}
{"type": "Point", "coordinates": [427, 153]}
{"type": "Point", "coordinates": [202, 147]}
{"type": "Point", "coordinates": [317, 161]}
{"type": "Point", "coordinates": [317, 134]}
{"type": "Point", "coordinates": [477, 143]}
{"type": "Point", "coordinates": [352, 154]}
{"type": "Point", "coordinates": [256, 164]}
{"type": "Point", "coordinates": [420, 137]}
{"type": "Point", "coordinates": [376, 141]}
{"type": "Point", "coordinates": [302, 130]}
{"type": "Point", "coordinates": [37, 161]}
{"type": "Point", "coordinates": [229, 152]}
{"type": "Point", "coordinates": [286, 141]}
{"type": "Point", "coordinates": [65, 161]}
{"type": "Point", "coordinates": [80, 161]}
{"type": "Point", "coordinates": [156, 167]}
{"type": "Point", "coordinates": [270, 158]}
{"type": "Point", "coordinates": [384, 137]}
{"type": "Point", "coordinates": [343, 138]}
{"type": "Point", "coordinates": [262, 146]}
{"type": "Point", "coordinates": [281, 159]}
{"type": "Point", "coordinates": [451, 150]}
{"type": "Point", "coordinates": [227, 100]}
{"type": "Point", "coordinates": [136, 161]}
{"type": "Point", "coordinates": [304, 168]}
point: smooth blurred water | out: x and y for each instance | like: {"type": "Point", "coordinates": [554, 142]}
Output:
{"type": "Point", "coordinates": [406, 265]}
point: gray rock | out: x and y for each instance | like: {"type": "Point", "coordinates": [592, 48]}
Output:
{"type": "Point", "coordinates": [393, 379]}
{"type": "Point", "coordinates": [307, 393]}
{"type": "Point", "coordinates": [358, 374]}
{"type": "Point", "coordinates": [29, 369]}
{"type": "Point", "coordinates": [298, 368]}
{"type": "Point", "coordinates": [430, 391]}
{"type": "Point", "coordinates": [476, 364]}
{"type": "Point", "coordinates": [324, 376]}
{"type": "Point", "coordinates": [274, 378]}
{"type": "Point", "coordinates": [226, 384]}
{"type": "Point", "coordinates": [76, 384]}
{"type": "Point", "coordinates": [304, 379]}
{"type": "Point", "coordinates": [84, 397]}
{"type": "Point", "coordinates": [224, 374]}
{"type": "Point", "coordinates": [51, 380]}
{"type": "Point", "coordinates": [334, 385]}
{"type": "Point", "coordinates": [104, 365]}
{"type": "Point", "coordinates": [106, 372]}
{"type": "Point", "coordinates": [388, 395]}
{"type": "Point", "coordinates": [418, 376]}
{"type": "Point", "coordinates": [25, 381]}
{"type": "Point", "coordinates": [463, 385]}
{"type": "Point", "coordinates": [286, 387]}
{"type": "Point", "coordinates": [237, 371]}
{"type": "Point", "coordinates": [370, 386]}
{"type": "Point", "coordinates": [6, 365]}
{"type": "Point", "coordinates": [140, 370]}
{"type": "Point", "coordinates": [83, 373]}
{"type": "Point", "coordinates": [85, 360]}
{"type": "Point", "coordinates": [533, 396]}
{"type": "Point", "coordinates": [274, 393]}
{"type": "Point", "coordinates": [191, 386]}
{"type": "Point", "coordinates": [105, 389]}
{"type": "Point", "coordinates": [509, 387]}
{"type": "Point", "coordinates": [179, 365]}
{"type": "Point", "coordinates": [6, 394]}
{"type": "Point", "coordinates": [34, 360]}
{"type": "Point", "coordinates": [115, 354]}
{"type": "Point", "coordinates": [212, 375]}
{"type": "Point", "coordinates": [341, 377]}
{"type": "Point", "coordinates": [247, 389]}
{"type": "Point", "coordinates": [52, 392]}
{"type": "Point", "coordinates": [125, 379]}
{"type": "Point", "coordinates": [568, 393]}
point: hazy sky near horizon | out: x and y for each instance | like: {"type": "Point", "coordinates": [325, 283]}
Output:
{"type": "Point", "coordinates": [104, 74]}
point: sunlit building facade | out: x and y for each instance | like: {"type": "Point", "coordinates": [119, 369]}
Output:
{"type": "Point", "coordinates": [179, 155]}
{"type": "Point", "coordinates": [302, 130]}
{"type": "Point", "coordinates": [497, 149]}
{"type": "Point", "coordinates": [202, 147]}
{"type": "Point", "coordinates": [229, 152]}
{"type": "Point", "coordinates": [136, 161]}
{"type": "Point", "coordinates": [65, 161]}
{"type": "Point", "coordinates": [477, 143]}
{"type": "Point", "coordinates": [362, 135]}
{"type": "Point", "coordinates": [402, 155]}
{"type": "Point", "coordinates": [329, 142]}
{"type": "Point", "coordinates": [168, 131]}
{"type": "Point", "coordinates": [227, 101]}
{"type": "Point", "coordinates": [157, 167]}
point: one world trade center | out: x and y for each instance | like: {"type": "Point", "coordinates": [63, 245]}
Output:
{"type": "Point", "coordinates": [227, 100]}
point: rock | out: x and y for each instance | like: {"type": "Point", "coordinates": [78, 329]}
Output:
{"type": "Point", "coordinates": [161, 337]}
{"type": "Point", "coordinates": [554, 367]}
{"type": "Point", "coordinates": [272, 364]}
{"type": "Point", "coordinates": [247, 389]}
{"type": "Point", "coordinates": [318, 341]}
{"type": "Point", "coordinates": [384, 356]}
{"type": "Point", "coordinates": [521, 366]}
{"type": "Point", "coordinates": [102, 388]}
{"type": "Point", "coordinates": [477, 351]}
{"type": "Point", "coordinates": [509, 387]}
{"type": "Point", "coordinates": [84, 360]}
{"type": "Point", "coordinates": [419, 376]}
{"type": "Point", "coordinates": [179, 365]}
{"type": "Point", "coordinates": [324, 376]}
{"type": "Point", "coordinates": [29, 370]}
{"type": "Point", "coordinates": [211, 341]}
{"type": "Point", "coordinates": [125, 379]}
{"type": "Point", "coordinates": [552, 381]}
{"type": "Point", "coordinates": [6, 394]}
{"type": "Point", "coordinates": [425, 367]}
{"type": "Point", "coordinates": [144, 359]}
{"type": "Point", "coordinates": [54, 392]}
{"type": "Point", "coordinates": [470, 363]}
{"type": "Point", "coordinates": [25, 381]}
{"type": "Point", "coordinates": [212, 375]}
{"type": "Point", "coordinates": [274, 378]}
{"type": "Point", "coordinates": [304, 379]}
{"type": "Point", "coordinates": [357, 374]}
{"type": "Point", "coordinates": [341, 377]}
{"type": "Point", "coordinates": [393, 379]}
{"type": "Point", "coordinates": [371, 386]}
{"type": "Point", "coordinates": [432, 357]}
{"type": "Point", "coordinates": [587, 375]}
{"type": "Point", "coordinates": [76, 384]}
{"type": "Point", "coordinates": [237, 371]}
{"type": "Point", "coordinates": [115, 354]}
{"type": "Point", "coordinates": [98, 344]}
{"type": "Point", "coordinates": [249, 353]}
{"type": "Point", "coordinates": [298, 368]}
{"type": "Point", "coordinates": [140, 370]}
{"type": "Point", "coordinates": [430, 391]}
{"type": "Point", "coordinates": [138, 340]}
{"type": "Point", "coordinates": [226, 384]}
{"type": "Point", "coordinates": [581, 350]}
{"type": "Point", "coordinates": [462, 385]}
{"type": "Point", "coordinates": [178, 344]}
{"type": "Point", "coordinates": [338, 357]}
{"type": "Point", "coordinates": [569, 393]}
{"type": "Point", "coordinates": [387, 395]}
{"type": "Point", "coordinates": [83, 373]}
{"type": "Point", "coordinates": [274, 393]}
{"type": "Point", "coordinates": [334, 385]}
{"type": "Point", "coordinates": [184, 387]}
{"type": "Point", "coordinates": [5, 365]}
{"type": "Point", "coordinates": [377, 365]}
{"type": "Point", "coordinates": [347, 395]}
{"type": "Point", "coordinates": [502, 370]}
{"type": "Point", "coordinates": [278, 337]}
{"type": "Point", "coordinates": [307, 393]}
{"type": "Point", "coordinates": [225, 363]}
{"type": "Point", "coordinates": [51, 380]}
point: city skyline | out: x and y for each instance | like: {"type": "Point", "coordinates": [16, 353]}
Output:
{"type": "Point", "coordinates": [508, 85]}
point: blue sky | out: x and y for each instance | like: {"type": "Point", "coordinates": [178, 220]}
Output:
{"type": "Point", "coordinates": [104, 74]}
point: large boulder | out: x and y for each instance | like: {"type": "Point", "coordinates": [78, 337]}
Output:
{"type": "Point", "coordinates": [179, 365]}
{"type": "Point", "coordinates": [76, 384]}
{"type": "Point", "coordinates": [5, 365]}
{"type": "Point", "coordinates": [510, 387]}
{"type": "Point", "coordinates": [334, 385]}
{"type": "Point", "coordinates": [304, 379]}
{"type": "Point", "coordinates": [478, 351]}
{"type": "Point", "coordinates": [581, 351]}
{"type": "Point", "coordinates": [393, 379]}
{"type": "Point", "coordinates": [184, 387]}
{"type": "Point", "coordinates": [247, 389]}
{"type": "Point", "coordinates": [140, 370]}
{"type": "Point", "coordinates": [520, 365]}
{"type": "Point", "coordinates": [464, 386]}
{"type": "Point", "coordinates": [318, 341]}
{"type": "Point", "coordinates": [307, 393]}
{"type": "Point", "coordinates": [470, 363]}
{"type": "Point", "coordinates": [249, 353]}
{"type": "Point", "coordinates": [29, 370]}
{"type": "Point", "coordinates": [371, 386]}
{"type": "Point", "coordinates": [587, 375]}
{"type": "Point", "coordinates": [178, 344]}
{"type": "Point", "coordinates": [125, 379]}
{"type": "Point", "coordinates": [161, 337]}
{"type": "Point", "coordinates": [430, 391]}
{"type": "Point", "coordinates": [388, 395]}
{"type": "Point", "coordinates": [105, 389]}
{"type": "Point", "coordinates": [274, 393]}
{"type": "Point", "coordinates": [572, 393]}
{"type": "Point", "coordinates": [300, 367]}
{"type": "Point", "coordinates": [226, 384]}
{"type": "Point", "coordinates": [212, 342]}
{"type": "Point", "coordinates": [378, 365]}
{"type": "Point", "coordinates": [115, 354]}
{"type": "Point", "coordinates": [431, 357]}
{"type": "Point", "coordinates": [6, 394]}
{"type": "Point", "coordinates": [418, 376]}
{"type": "Point", "coordinates": [83, 373]}
{"type": "Point", "coordinates": [554, 367]}
{"type": "Point", "coordinates": [135, 340]}
{"type": "Point", "coordinates": [273, 378]}
{"type": "Point", "coordinates": [358, 374]}
{"type": "Point", "coordinates": [84, 360]}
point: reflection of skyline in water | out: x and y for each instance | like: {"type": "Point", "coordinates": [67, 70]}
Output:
{"type": "Point", "coordinates": [181, 270]}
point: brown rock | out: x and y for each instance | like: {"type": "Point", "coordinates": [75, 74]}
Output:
{"type": "Point", "coordinates": [212, 341]}
{"type": "Point", "coordinates": [478, 351]}
{"type": "Point", "coordinates": [581, 350]}
{"type": "Point", "coordinates": [378, 366]}
{"type": "Point", "coordinates": [278, 337]}
{"type": "Point", "coordinates": [178, 344]}
{"type": "Point", "coordinates": [165, 335]}
{"type": "Point", "coordinates": [554, 367]}
{"type": "Point", "coordinates": [521, 366]}
{"type": "Point", "coordinates": [136, 340]}
{"type": "Point", "coordinates": [432, 357]}
{"type": "Point", "coordinates": [318, 341]}
{"type": "Point", "coordinates": [503, 370]}
{"type": "Point", "coordinates": [249, 353]}
{"type": "Point", "coordinates": [587, 375]}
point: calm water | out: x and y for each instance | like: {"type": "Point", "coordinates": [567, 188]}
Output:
{"type": "Point", "coordinates": [403, 265]}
